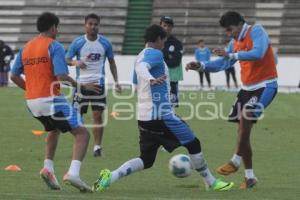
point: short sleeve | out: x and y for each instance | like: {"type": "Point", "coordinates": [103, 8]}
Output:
{"type": "Point", "coordinates": [18, 68]}
{"type": "Point", "coordinates": [57, 54]}
{"type": "Point", "coordinates": [153, 57]}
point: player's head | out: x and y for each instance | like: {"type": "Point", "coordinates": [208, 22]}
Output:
{"type": "Point", "coordinates": [233, 23]}
{"type": "Point", "coordinates": [92, 23]}
{"type": "Point", "coordinates": [201, 43]}
{"type": "Point", "coordinates": [155, 35]}
{"type": "Point", "coordinates": [48, 22]}
{"type": "Point", "coordinates": [167, 23]}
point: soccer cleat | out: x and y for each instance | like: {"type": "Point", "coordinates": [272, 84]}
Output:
{"type": "Point", "coordinates": [248, 183]}
{"type": "Point", "coordinates": [49, 179]}
{"type": "Point", "coordinates": [98, 153]}
{"type": "Point", "coordinates": [103, 181]}
{"type": "Point", "coordinates": [76, 182]}
{"type": "Point", "coordinates": [227, 169]}
{"type": "Point", "coordinates": [219, 185]}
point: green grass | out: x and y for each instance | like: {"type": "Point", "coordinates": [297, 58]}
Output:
{"type": "Point", "coordinates": [275, 142]}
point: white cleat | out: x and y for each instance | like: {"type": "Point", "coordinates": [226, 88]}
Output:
{"type": "Point", "coordinates": [76, 182]}
{"type": "Point", "coordinates": [49, 179]}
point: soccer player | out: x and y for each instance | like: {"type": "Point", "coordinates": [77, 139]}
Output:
{"type": "Point", "coordinates": [91, 51]}
{"type": "Point", "coordinates": [203, 53]}
{"type": "Point", "coordinates": [6, 56]}
{"type": "Point", "coordinates": [157, 123]}
{"type": "Point", "coordinates": [42, 61]}
{"type": "Point", "coordinates": [230, 71]}
{"type": "Point", "coordinates": [172, 52]}
{"type": "Point", "coordinates": [251, 47]}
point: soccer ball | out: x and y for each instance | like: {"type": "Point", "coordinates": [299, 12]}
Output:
{"type": "Point", "coordinates": [180, 165]}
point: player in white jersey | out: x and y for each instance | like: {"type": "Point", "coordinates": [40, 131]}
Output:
{"type": "Point", "coordinates": [157, 123]}
{"type": "Point", "coordinates": [91, 51]}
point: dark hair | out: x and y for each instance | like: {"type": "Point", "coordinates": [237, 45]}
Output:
{"type": "Point", "coordinates": [153, 32]}
{"type": "Point", "coordinates": [91, 16]}
{"type": "Point", "coordinates": [45, 21]}
{"type": "Point", "coordinates": [231, 18]}
{"type": "Point", "coordinates": [201, 40]}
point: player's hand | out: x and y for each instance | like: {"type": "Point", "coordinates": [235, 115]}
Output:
{"type": "Point", "coordinates": [118, 88]}
{"type": "Point", "coordinates": [193, 66]}
{"type": "Point", "coordinates": [159, 80]}
{"type": "Point", "coordinates": [81, 64]}
{"type": "Point", "coordinates": [220, 52]}
{"type": "Point", "coordinates": [91, 87]}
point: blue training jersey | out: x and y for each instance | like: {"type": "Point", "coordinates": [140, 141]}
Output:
{"type": "Point", "coordinates": [153, 100]}
{"type": "Point", "coordinates": [202, 54]}
{"type": "Point", "coordinates": [93, 54]}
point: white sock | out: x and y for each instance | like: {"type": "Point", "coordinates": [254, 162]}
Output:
{"type": "Point", "coordinates": [48, 164]}
{"type": "Point", "coordinates": [74, 168]}
{"type": "Point", "coordinates": [200, 165]}
{"type": "Point", "coordinates": [129, 167]}
{"type": "Point", "coordinates": [96, 147]}
{"type": "Point", "coordinates": [236, 160]}
{"type": "Point", "coordinates": [249, 173]}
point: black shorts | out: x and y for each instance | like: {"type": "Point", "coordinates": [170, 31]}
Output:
{"type": "Point", "coordinates": [155, 133]}
{"type": "Point", "coordinates": [255, 101]}
{"type": "Point", "coordinates": [55, 122]}
{"type": "Point", "coordinates": [82, 100]}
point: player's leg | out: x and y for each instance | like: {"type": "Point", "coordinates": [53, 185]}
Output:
{"type": "Point", "coordinates": [47, 172]}
{"type": "Point", "coordinates": [201, 78]}
{"type": "Point", "coordinates": [66, 118]}
{"type": "Point", "coordinates": [207, 76]}
{"type": "Point", "coordinates": [148, 151]}
{"type": "Point", "coordinates": [98, 104]}
{"type": "Point", "coordinates": [234, 116]}
{"type": "Point", "coordinates": [182, 132]}
{"type": "Point", "coordinates": [259, 101]}
{"type": "Point", "coordinates": [98, 132]}
{"type": "Point", "coordinates": [227, 78]}
{"type": "Point", "coordinates": [234, 77]}
{"type": "Point", "coordinates": [174, 93]}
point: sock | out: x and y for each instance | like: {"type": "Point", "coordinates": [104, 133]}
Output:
{"type": "Point", "coordinates": [200, 165]}
{"type": "Point", "coordinates": [96, 147]}
{"type": "Point", "coordinates": [131, 166]}
{"type": "Point", "coordinates": [74, 168]}
{"type": "Point", "coordinates": [236, 160]}
{"type": "Point", "coordinates": [48, 164]}
{"type": "Point", "coordinates": [249, 173]}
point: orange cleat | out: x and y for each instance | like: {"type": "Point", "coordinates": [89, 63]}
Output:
{"type": "Point", "coordinates": [227, 169]}
{"type": "Point", "coordinates": [248, 183]}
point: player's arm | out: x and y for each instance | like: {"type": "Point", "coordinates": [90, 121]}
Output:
{"type": "Point", "coordinates": [260, 45]}
{"type": "Point", "coordinates": [114, 72]}
{"type": "Point", "coordinates": [222, 63]}
{"type": "Point", "coordinates": [142, 71]}
{"type": "Point", "coordinates": [16, 72]}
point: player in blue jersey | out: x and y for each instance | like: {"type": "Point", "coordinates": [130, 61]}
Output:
{"type": "Point", "coordinates": [203, 53]}
{"type": "Point", "coordinates": [91, 51]}
{"type": "Point", "coordinates": [157, 123]}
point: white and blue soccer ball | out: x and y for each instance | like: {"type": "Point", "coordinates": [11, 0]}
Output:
{"type": "Point", "coordinates": [180, 165]}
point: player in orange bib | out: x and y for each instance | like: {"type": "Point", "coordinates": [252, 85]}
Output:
{"type": "Point", "coordinates": [42, 61]}
{"type": "Point", "coordinates": [250, 45]}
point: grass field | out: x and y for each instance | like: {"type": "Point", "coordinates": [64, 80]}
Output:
{"type": "Point", "coordinates": [275, 140]}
